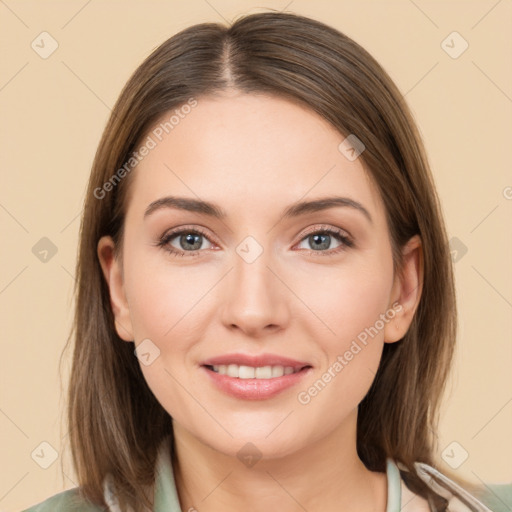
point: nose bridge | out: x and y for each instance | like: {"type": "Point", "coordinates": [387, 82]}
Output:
{"type": "Point", "coordinates": [254, 300]}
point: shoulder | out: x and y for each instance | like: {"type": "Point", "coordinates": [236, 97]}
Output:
{"type": "Point", "coordinates": [66, 501]}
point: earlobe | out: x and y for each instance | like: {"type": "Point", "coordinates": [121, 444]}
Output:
{"type": "Point", "coordinates": [406, 292]}
{"type": "Point", "coordinates": [112, 272]}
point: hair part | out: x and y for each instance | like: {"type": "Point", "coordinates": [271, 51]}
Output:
{"type": "Point", "coordinates": [116, 424]}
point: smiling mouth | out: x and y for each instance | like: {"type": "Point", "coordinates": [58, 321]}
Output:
{"type": "Point", "coordinates": [260, 378]}
{"type": "Point", "coordinates": [252, 372]}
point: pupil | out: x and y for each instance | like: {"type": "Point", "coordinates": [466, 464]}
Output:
{"type": "Point", "coordinates": [189, 239]}
{"type": "Point", "coordinates": [318, 241]}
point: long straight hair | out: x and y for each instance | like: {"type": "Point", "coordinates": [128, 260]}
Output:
{"type": "Point", "coordinates": [116, 424]}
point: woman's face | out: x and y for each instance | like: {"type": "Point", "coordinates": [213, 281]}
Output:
{"type": "Point", "coordinates": [223, 300]}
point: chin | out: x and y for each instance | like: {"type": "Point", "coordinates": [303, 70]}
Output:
{"type": "Point", "coordinates": [255, 445]}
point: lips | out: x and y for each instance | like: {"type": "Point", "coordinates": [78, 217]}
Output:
{"type": "Point", "coordinates": [254, 377]}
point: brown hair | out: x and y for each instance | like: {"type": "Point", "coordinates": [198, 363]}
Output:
{"type": "Point", "coordinates": [116, 424]}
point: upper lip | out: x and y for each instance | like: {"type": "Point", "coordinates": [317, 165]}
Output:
{"type": "Point", "coordinates": [255, 360]}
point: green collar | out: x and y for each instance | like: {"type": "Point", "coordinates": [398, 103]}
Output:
{"type": "Point", "coordinates": [166, 495]}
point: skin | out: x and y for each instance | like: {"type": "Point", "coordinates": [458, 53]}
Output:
{"type": "Point", "coordinates": [254, 155]}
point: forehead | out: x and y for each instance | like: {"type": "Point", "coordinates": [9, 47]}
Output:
{"type": "Point", "coordinates": [250, 151]}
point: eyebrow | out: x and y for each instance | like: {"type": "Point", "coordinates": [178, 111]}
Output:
{"type": "Point", "coordinates": [295, 210]}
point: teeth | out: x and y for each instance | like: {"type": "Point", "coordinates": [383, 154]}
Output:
{"type": "Point", "coordinates": [263, 372]}
{"type": "Point", "coordinates": [277, 371]}
{"type": "Point", "coordinates": [249, 372]}
{"type": "Point", "coordinates": [233, 370]}
{"type": "Point", "coordinates": [245, 372]}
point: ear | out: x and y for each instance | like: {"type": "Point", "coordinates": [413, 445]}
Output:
{"type": "Point", "coordinates": [406, 291]}
{"type": "Point", "coordinates": [113, 274]}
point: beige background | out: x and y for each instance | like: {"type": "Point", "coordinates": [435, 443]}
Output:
{"type": "Point", "coordinates": [53, 113]}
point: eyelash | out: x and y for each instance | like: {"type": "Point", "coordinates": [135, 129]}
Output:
{"type": "Point", "coordinates": [340, 235]}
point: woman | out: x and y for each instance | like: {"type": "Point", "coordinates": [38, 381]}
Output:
{"type": "Point", "coordinates": [265, 310]}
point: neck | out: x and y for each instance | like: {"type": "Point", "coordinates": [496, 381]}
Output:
{"type": "Point", "coordinates": [326, 475]}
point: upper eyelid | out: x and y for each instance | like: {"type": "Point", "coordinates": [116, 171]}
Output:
{"type": "Point", "coordinates": [325, 227]}
{"type": "Point", "coordinates": [186, 229]}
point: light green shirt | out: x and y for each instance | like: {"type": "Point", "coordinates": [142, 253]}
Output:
{"type": "Point", "coordinates": [166, 495]}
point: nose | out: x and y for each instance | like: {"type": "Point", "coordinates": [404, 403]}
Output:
{"type": "Point", "coordinates": [255, 300]}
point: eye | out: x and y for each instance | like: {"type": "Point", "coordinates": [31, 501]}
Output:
{"type": "Point", "coordinates": [190, 241]}
{"type": "Point", "coordinates": [184, 242]}
{"type": "Point", "coordinates": [321, 239]}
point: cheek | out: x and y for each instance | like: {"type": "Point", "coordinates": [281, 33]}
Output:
{"type": "Point", "coordinates": [348, 302]}
{"type": "Point", "coordinates": [351, 305]}
{"type": "Point", "coordinates": [358, 300]}
{"type": "Point", "coordinates": [172, 307]}
{"type": "Point", "coordinates": [163, 299]}
{"type": "Point", "coordinates": [169, 307]}
{"type": "Point", "coordinates": [352, 358]}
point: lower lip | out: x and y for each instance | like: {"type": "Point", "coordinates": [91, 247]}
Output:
{"type": "Point", "coordinates": [255, 389]}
